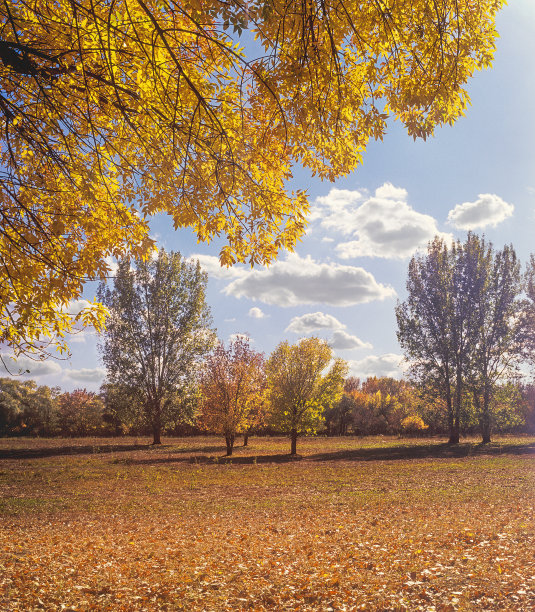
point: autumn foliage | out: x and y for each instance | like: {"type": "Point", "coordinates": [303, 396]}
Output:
{"type": "Point", "coordinates": [233, 390]}
{"type": "Point", "coordinates": [113, 111]}
{"type": "Point", "coordinates": [301, 386]}
{"type": "Point", "coordinates": [357, 524]}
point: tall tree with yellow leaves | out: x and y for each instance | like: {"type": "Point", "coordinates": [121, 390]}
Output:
{"type": "Point", "coordinates": [300, 387]}
{"type": "Point", "coordinates": [113, 111]}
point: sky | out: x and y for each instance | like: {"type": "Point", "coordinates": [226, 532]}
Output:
{"type": "Point", "coordinates": [345, 277]}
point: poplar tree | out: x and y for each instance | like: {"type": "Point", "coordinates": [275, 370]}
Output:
{"type": "Point", "coordinates": [499, 325]}
{"type": "Point", "coordinates": [461, 326]}
{"type": "Point", "coordinates": [157, 333]}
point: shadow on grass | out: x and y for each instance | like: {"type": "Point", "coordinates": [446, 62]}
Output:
{"type": "Point", "coordinates": [189, 455]}
{"type": "Point", "coordinates": [390, 453]}
{"type": "Point", "coordinates": [425, 451]}
{"type": "Point", "coordinates": [75, 449]}
{"type": "Point", "coordinates": [219, 460]}
{"type": "Point", "coordinates": [201, 449]}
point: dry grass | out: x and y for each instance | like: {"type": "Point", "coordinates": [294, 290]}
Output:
{"type": "Point", "coordinates": [374, 524]}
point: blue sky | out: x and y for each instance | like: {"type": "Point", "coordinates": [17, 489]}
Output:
{"type": "Point", "coordinates": [345, 277]}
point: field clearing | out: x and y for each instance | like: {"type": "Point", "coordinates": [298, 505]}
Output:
{"type": "Point", "coordinates": [370, 523]}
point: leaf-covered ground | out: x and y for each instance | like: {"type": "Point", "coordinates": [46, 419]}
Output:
{"type": "Point", "coordinates": [371, 524]}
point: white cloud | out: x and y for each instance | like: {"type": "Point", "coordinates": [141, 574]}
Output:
{"type": "Point", "coordinates": [35, 368]}
{"type": "Point", "coordinates": [82, 335]}
{"type": "Point", "coordinates": [316, 321]}
{"type": "Point", "coordinates": [383, 225]}
{"type": "Point", "coordinates": [75, 307]}
{"type": "Point", "coordinates": [377, 365]}
{"type": "Point", "coordinates": [338, 202]}
{"type": "Point", "coordinates": [257, 313]}
{"type": "Point", "coordinates": [240, 336]}
{"type": "Point", "coordinates": [341, 340]}
{"type": "Point", "coordinates": [112, 264]}
{"type": "Point", "coordinates": [86, 374]}
{"type": "Point", "coordinates": [488, 209]}
{"type": "Point", "coordinates": [299, 280]}
{"type": "Point", "coordinates": [313, 321]}
{"type": "Point", "coordinates": [212, 265]}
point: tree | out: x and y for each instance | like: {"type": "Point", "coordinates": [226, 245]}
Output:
{"type": "Point", "coordinates": [123, 408]}
{"type": "Point", "coordinates": [233, 390]}
{"type": "Point", "coordinates": [80, 413]}
{"type": "Point", "coordinates": [425, 326]}
{"type": "Point", "coordinates": [156, 334]}
{"type": "Point", "coordinates": [498, 323]}
{"type": "Point", "coordinates": [413, 424]}
{"type": "Point", "coordinates": [26, 408]}
{"type": "Point", "coordinates": [461, 324]}
{"type": "Point", "coordinates": [120, 110]}
{"type": "Point", "coordinates": [299, 387]}
{"type": "Point", "coordinates": [338, 417]}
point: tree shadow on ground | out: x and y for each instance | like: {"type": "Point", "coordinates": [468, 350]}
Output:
{"type": "Point", "coordinates": [75, 449]}
{"type": "Point", "coordinates": [201, 449]}
{"type": "Point", "coordinates": [218, 460]}
{"type": "Point", "coordinates": [189, 455]}
{"type": "Point", "coordinates": [425, 451]}
{"type": "Point", "coordinates": [390, 453]}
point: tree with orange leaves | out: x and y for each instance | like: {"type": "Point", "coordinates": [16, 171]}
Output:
{"type": "Point", "coordinates": [232, 389]}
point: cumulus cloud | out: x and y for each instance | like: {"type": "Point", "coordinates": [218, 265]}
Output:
{"type": "Point", "coordinates": [297, 281]}
{"type": "Point", "coordinates": [377, 365]}
{"type": "Point", "coordinates": [313, 321]}
{"type": "Point", "coordinates": [75, 307]}
{"type": "Point", "coordinates": [86, 374]}
{"type": "Point", "coordinates": [341, 340]}
{"type": "Point", "coordinates": [78, 338]}
{"type": "Point", "coordinates": [256, 313]}
{"type": "Point", "coordinates": [317, 321]}
{"type": "Point", "coordinates": [382, 225]}
{"type": "Point", "coordinates": [212, 265]}
{"type": "Point", "coordinates": [488, 209]}
{"type": "Point", "coordinates": [29, 367]}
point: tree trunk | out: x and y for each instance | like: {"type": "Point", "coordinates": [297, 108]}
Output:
{"type": "Point", "coordinates": [454, 433]}
{"type": "Point", "coordinates": [485, 416]}
{"type": "Point", "coordinates": [156, 431]}
{"type": "Point", "coordinates": [245, 439]}
{"type": "Point", "coordinates": [293, 437]}
{"type": "Point", "coordinates": [454, 436]}
{"type": "Point", "coordinates": [229, 439]}
{"type": "Point", "coordinates": [156, 423]}
{"type": "Point", "coordinates": [454, 429]}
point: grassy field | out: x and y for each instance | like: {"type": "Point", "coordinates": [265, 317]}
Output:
{"type": "Point", "coordinates": [354, 524]}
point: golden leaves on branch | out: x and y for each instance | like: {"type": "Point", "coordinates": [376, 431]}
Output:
{"type": "Point", "coordinates": [113, 112]}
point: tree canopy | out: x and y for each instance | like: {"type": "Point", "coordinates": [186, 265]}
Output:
{"type": "Point", "coordinates": [232, 390]}
{"type": "Point", "coordinates": [462, 325]}
{"type": "Point", "coordinates": [156, 334]}
{"type": "Point", "coordinates": [300, 386]}
{"type": "Point", "coordinates": [114, 111]}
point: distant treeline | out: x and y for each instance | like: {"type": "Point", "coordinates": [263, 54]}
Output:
{"type": "Point", "coordinates": [371, 407]}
